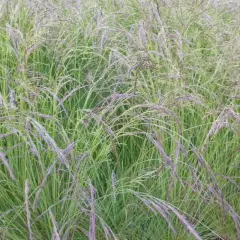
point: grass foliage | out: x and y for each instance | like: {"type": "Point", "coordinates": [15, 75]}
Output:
{"type": "Point", "coordinates": [119, 119]}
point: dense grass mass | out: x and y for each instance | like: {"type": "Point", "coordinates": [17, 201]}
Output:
{"type": "Point", "coordinates": [119, 119]}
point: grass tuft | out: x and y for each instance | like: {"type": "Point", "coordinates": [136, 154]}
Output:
{"type": "Point", "coordinates": [119, 119]}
